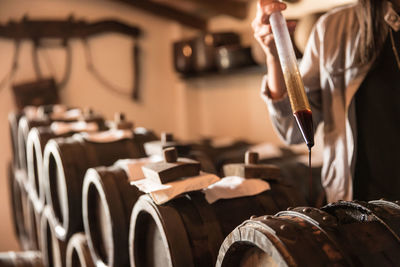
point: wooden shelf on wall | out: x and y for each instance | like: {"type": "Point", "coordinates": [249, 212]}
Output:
{"type": "Point", "coordinates": [248, 70]}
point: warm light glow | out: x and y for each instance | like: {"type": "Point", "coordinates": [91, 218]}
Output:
{"type": "Point", "coordinates": [187, 51]}
{"type": "Point", "coordinates": [208, 39]}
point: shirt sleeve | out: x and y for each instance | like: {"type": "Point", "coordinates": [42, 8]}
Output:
{"type": "Point", "coordinates": [280, 110]}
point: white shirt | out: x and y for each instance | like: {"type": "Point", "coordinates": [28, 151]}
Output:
{"type": "Point", "coordinates": [331, 82]}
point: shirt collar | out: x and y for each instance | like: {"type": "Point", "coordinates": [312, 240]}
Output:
{"type": "Point", "coordinates": [391, 17]}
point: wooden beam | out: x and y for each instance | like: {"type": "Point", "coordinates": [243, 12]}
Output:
{"type": "Point", "coordinates": [168, 12]}
{"type": "Point", "coordinates": [232, 8]}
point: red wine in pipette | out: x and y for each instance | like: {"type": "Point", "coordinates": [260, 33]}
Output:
{"type": "Point", "coordinates": [306, 126]}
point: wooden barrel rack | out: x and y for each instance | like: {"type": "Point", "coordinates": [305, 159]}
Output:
{"type": "Point", "coordinates": [21, 259]}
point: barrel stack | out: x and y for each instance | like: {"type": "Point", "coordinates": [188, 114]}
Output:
{"type": "Point", "coordinates": [36, 117]}
{"type": "Point", "coordinates": [36, 224]}
{"type": "Point", "coordinates": [90, 192]}
{"type": "Point", "coordinates": [20, 124]}
{"type": "Point", "coordinates": [65, 163]}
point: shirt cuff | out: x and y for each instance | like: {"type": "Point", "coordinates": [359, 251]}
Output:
{"type": "Point", "coordinates": [277, 107]}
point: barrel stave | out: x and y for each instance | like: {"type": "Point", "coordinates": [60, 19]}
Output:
{"type": "Point", "coordinates": [32, 220]}
{"type": "Point", "coordinates": [15, 200]}
{"type": "Point", "coordinates": [389, 212]}
{"type": "Point", "coordinates": [253, 242]}
{"type": "Point", "coordinates": [13, 120]}
{"type": "Point", "coordinates": [202, 227]}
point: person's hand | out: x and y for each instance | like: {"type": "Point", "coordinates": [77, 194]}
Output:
{"type": "Point", "coordinates": [276, 87]}
{"type": "Point", "coordinates": [262, 28]}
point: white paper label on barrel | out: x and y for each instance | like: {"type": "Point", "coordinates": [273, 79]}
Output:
{"type": "Point", "coordinates": [153, 148]}
{"type": "Point", "coordinates": [109, 136]}
{"type": "Point", "coordinates": [267, 151]}
{"type": "Point", "coordinates": [59, 108]}
{"type": "Point", "coordinates": [59, 128]}
{"type": "Point", "coordinates": [162, 193]}
{"type": "Point", "coordinates": [234, 187]}
{"type": "Point", "coordinates": [72, 114]}
{"type": "Point", "coordinates": [133, 167]}
{"type": "Point", "coordinates": [31, 112]}
{"type": "Point", "coordinates": [140, 130]}
{"type": "Point", "coordinates": [34, 112]}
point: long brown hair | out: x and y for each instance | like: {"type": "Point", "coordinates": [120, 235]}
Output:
{"type": "Point", "coordinates": [373, 28]}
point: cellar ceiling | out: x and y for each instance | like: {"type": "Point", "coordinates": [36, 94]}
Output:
{"type": "Point", "coordinates": [192, 13]}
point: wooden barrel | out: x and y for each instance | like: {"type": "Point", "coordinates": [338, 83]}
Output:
{"type": "Point", "coordinates": [24, 126]}
{"type": "Point", "coordinates": [65, 163]}
{"type": "Point", "coordinates": [25, 219]}
{"type": "Point", "coordinates": [45, 118]}
{"type": "Point", "coordinates": [14, 189]}
{"type": "Point", "coordinates": [78, 254]}
{"type": "Point", "coordinates": [391, 215]}
{"type": "Point", "coordinates": [28, 242]}
{"type": "Point", "coordinates": [187, 231]}
{"type": "Point", "coordinates": [35, 144]}
{"type": "Point", "coordinates": [13, 119]}
{"type": "Point", "coordinates": [108, 199]}
{"type": "Point", "coordinates": [18, 200]}
{"type": "Point", "coordinates": [40, 112]}
{"type": "Point", "coordinates": [32, 220]}
{"type": "Point", "coordinates": [53, 250]}
{"type": "Point", "coordinates": [21, 259]}
{"type": "Point", "coordinates": [339, 234]}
